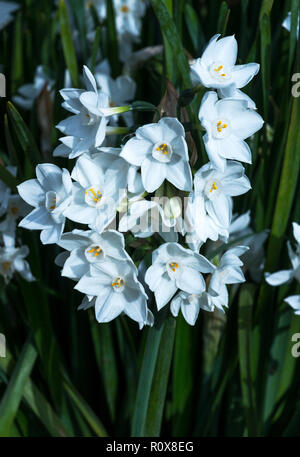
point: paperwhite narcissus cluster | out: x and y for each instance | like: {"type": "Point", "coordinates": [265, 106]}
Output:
{"type": "Point", "coordinates": [284, 276]}
{"type": "Point", "coordinates": [106, 181]}
{"type": "Point", "coordinates": [12, 257]}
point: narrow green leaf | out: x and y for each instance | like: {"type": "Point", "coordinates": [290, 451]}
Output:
{"type": "Point", "coordinates": [287, 188]}
{"type": "Point", "coordinates": [24, 135]}
{"type": "Point", "coordinates": [146, 378]}
{"type": "Point", "coordinates": [112, 39]}
{"type": "Point", "coordinates": [12, 397]}
{"type": "Point", "coordinates": [183, 377]}
{"type": "Point", "coordinates": [8, 179]}
{"type": "Point", "coordinates": [223, 18]}
{"type": "Point", "coordinates": [158, 393]}
{"type": "Point", "coordinates": [244, 342]}
{"type": "Point", "coordinates": [170, 32]}
{"type": "Point", "coordinates": [17, 72]}
{"type": "Point", "coordinates": [67, 42]}
{"type": "Point", "coordinates": [85, 410]}
{"type": "Point", "coordinates": [105, 354]}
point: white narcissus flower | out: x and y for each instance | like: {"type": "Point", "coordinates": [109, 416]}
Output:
{"type": "Point", "coordinates": [161, 151]}
{"type": "Point", "coordinates": [228, 271]}
{"type": "Point", "coordinates": [128, 14]}
{"type": "Point", "coordinates": [228, 123]}
{"type": "Point", "coordinates": [120, 91]}
{"type": "Point", "coordinates": [90, 108]}
{"type": "Point", "coordinates": [283, 276]}
{"type": "Point", "coordinates": [174, 267]}
{"type": "Point", "coordinates": [16, 208]}
{"type": "Point", "coordinates": [117, 290]}
{"type": "Point", "coordinates": [87, 248]}
{"type": "Point", "coordinates": [241, 231]}
{"type": "Point", "coordinates": [216, 296]}
{"type": "Point", "coordinates": [145, 218]}
{"type": "Point", "coordinates": [12, 260]}
{"type": "Point", "coordinates": [28, 93]}
{"type": "Point", "coordinates": [190, 305]}
{"type": "Point", "coordinates": [50, 194]}
{"type": "Point", "coordinates": [95, 195]}
{"type": "Point", "coordinates": [216, 187]}
{"type": "Point", "coordinates": [209, 207]}
{"type": "Point", "coordinates": [216, 68]}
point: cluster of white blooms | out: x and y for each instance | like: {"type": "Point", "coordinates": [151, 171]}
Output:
{"type": "Point", "coordinates": [285, 276]}
{"type": "Point", "coordinates": [128, 15]}
{"type": "Point", "coordinates": [107, 181]}
{"type": "Point", "coordinates": [12, 257]}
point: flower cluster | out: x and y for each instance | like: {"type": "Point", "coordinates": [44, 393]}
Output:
{"type": "Point", "coordinates": [127, 184]}
{"type": "Point", "coordinates": [12, 257]}
{"type": "Point", "coordinates": [285, 276]}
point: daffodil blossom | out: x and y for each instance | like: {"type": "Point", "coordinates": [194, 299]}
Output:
{"type": "Point", "coordinates": [209, 207]}
{"type": "Point", "coordinates": [254, 258]}
{"type": "Point", "coordinates": [88, 247]}
{"type": "Point", "coordinates": [190, 305]}
{"type": "Point", "coordinates": [95, 195]}
{"type": "Point", "coordinates": [218, 186]}
{"type": "Point", "coordinates": [120, 90]}
{"type": "Point", "coordinates": [228, 123]}
{"type": "Point", "coordinates": [28, 93]}
{"type": "Point", "coordinates": [50, 194]}
{"type": "Point", "coordinates": [283, 276]}
{"type": "Point", "coordinates": [228, 271]}
{"type": "Point", "coordinates": [16, 208]}
{"type": "Point", "coordinates": [12, 260]}
{"type": "Point", "coordinates": [161, 151]}
{"type": "Point", "coordinates": [117, 290]}
{"type": "Point", "coordinates": [216, 68]}
{"type": "Point", "coordinates": [90, 109]}
{"type": "Point", "coordinates": [174, 267]}
{"type": "Point", "coordinates": [147, 217]}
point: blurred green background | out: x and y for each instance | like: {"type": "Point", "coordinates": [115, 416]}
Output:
{"type": "Point", "coordinates": [230, 375]}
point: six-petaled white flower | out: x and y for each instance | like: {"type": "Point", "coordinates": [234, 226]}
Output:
{"type": "Point", "coordinates": [161, 151]}
{"type": "Point", "coordinates": [50, 194]}
{"type": "Point", "coordinates": [174, 267]}
{"type": "Point", "coordinates": [117, 290]}
{"type": "Point", "coordinates": [228, 123]}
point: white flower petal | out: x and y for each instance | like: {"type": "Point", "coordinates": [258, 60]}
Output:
{"type": "Point", "coordinates": [278, 278]}
{"type": "Point", "coordinates": [153, 174]}
{"type": "Point", "coordinates": [32, 192]}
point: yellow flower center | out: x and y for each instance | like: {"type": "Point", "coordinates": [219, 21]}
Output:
{"type": "Point", "coordinates": [125, 9]}
{"type": "Point", "coordinates": [173, 266]}
{"type": "Point", "coordinates": [52, 207]}
{"type": "Point", "coordinates": [219, 71]}
{"type": "Point", "coordinates": [95, 195]}
{"type": "Point", "coordinates": [221, 126]}
{"type": "Point", "coordinates": [213, 187]}
{"type": "Point", "coordinates": [118, 282]}
{"type": "Point", "coordinates": [163, 148]}
{"type": "Point", "coordinates": [95, 251]}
